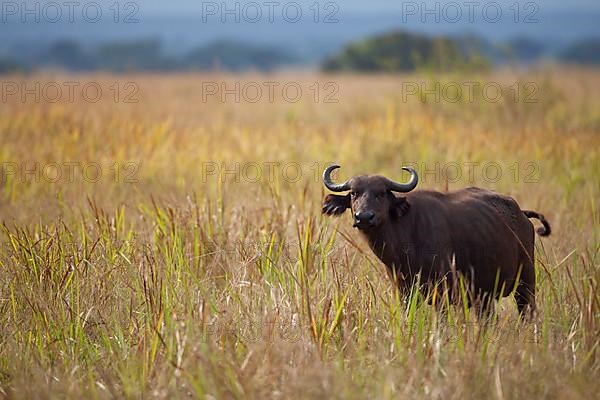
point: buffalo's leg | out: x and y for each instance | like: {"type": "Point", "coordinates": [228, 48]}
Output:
{"type": "Point", "coordinates": [525, 293]}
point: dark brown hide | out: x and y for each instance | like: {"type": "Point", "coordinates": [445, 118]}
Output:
{"type": "Point", "coordinates": [482, 235]}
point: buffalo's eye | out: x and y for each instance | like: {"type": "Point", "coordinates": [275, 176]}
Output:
{"type": "Point", "coordinates": [353, 194]}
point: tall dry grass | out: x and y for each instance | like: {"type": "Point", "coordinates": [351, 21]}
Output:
{"type": "Point", "coordinates": [167, 278]}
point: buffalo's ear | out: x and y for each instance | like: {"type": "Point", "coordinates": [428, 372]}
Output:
{"type": "Point", "coordinates": [399, 206]}
{"type": "Point", "coordinates": [335, 205]}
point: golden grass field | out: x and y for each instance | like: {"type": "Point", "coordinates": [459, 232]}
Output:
{"type": "Point", "coordinates": [180, 272]}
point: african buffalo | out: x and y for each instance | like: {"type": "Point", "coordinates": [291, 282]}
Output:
{"type": "Point", "coordinates": [475, 233]}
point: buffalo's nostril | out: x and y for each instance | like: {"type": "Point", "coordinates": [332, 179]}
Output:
{"type": "Point", "coordinates": [364, 217]}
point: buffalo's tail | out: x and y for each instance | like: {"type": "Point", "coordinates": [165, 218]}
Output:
{"type": "Point", "coordinates": [545, 230]}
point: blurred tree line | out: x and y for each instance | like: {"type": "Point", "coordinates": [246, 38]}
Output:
{"type": "Point", "coordinates": [404, 51]}
{"type": "Point", "coordinates": [147, 55]}
{"type": "Point", "coordinates": [392, 52]}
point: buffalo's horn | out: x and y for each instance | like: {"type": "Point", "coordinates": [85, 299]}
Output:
{"type": "Point", "coordinates": [405, 187]}
{"type": "Point", "coordinates": [334, 187]}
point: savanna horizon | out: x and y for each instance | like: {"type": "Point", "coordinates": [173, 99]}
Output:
{"type": "Point", "coordinates": [182, 249]}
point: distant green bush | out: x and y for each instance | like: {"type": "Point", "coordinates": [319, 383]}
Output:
{"type": "Point", "coordinates": [402, 51]}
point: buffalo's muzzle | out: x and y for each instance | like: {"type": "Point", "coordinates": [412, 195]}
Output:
{"type": "Point", "coordinates": [364, 219]}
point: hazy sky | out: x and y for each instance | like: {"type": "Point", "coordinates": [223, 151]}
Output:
{"type": "Point", "coordinates": [557, 23]}
{"type": "Point", "coordinates": [185, 7]}
{"type": "Point", "coordinates": [375, 6]}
